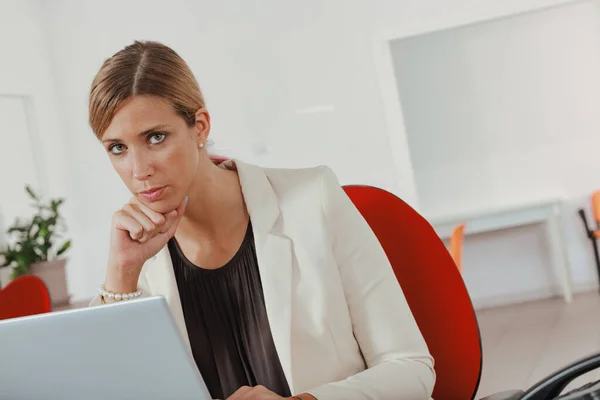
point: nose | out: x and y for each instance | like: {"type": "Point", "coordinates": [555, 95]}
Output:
{"type": "Point", "coordinates": [142, 166]}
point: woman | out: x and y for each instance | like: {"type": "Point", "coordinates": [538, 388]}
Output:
{"type": "Point", "coordinates": [275, 281]}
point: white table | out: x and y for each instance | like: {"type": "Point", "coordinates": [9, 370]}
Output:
{"type": "Point", "coordinates": [546, 212]}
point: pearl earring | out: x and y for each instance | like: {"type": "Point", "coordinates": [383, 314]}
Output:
{"type": "Point", "coordinates": [200, 145]}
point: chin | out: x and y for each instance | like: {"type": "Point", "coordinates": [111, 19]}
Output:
{"type": "Point", "coordinates": [162, 206]}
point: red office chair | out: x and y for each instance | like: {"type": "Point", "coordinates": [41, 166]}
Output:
{"type": "Point", "coordinates": [26, 295]}
{"type": "Point", "coordinates": [433, 287]}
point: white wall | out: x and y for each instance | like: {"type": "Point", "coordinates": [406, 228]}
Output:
{"type": "Point", "coordinates": [25, 70]}
{"type": "Point", "coordinates": [15, 124]}
{"type": "Point", "coordinates": [257, 64]}
{"type": "Point", "coordinates": [506, 112]}
{"type": "Point", "coordinates": [26, 81]}
{"type": "Point", "coordinates": [261, 64]}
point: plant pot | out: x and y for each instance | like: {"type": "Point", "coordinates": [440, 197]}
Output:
{"type": "Point", "coordinates": [54, 275]}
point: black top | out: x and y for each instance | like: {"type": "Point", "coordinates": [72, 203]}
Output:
{"type": "Point", "coordinates": [226, 319]}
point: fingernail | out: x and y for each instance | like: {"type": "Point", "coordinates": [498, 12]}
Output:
{"type": "Point", "coordinates": [186, 200]}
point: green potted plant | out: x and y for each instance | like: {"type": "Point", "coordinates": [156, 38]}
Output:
{"type": "Point", "coordinates": [32, 247]}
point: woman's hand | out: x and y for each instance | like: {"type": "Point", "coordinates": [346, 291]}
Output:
{"type": "Point", "coordinates": [262, 393]}
{"type": "Point", "coordinates": [137, 234]}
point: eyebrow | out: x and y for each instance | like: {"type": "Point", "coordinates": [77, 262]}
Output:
{"type": "Point", "coordinates": [144, 133]}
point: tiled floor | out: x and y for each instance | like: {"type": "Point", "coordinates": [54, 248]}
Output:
{"type": "Point", "coordinates": [524, 343]}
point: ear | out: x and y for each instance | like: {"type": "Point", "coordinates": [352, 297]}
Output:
{"type": "Point", "coordinates": [202, 125]}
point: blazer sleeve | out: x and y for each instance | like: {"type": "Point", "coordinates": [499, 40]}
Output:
{"type": "Point", "coordinates": [399, 365]}
{"type": "Point", "coordinates": [142, 284]}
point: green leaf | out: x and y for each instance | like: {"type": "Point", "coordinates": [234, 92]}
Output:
{"type": "Point", "coordinates": [63, 248]}
{"type": "Point", "coordinates": [55, 204]}
{"type": "Point", "coordinates": [17, 229]}
{"type": "Point", "coordinates": [31, 193]}
{"type": "Point", "coordinates": [43, 232]}
{"type": "Point", "coordinates": [34, 240]}
{"type": "Point", "coordinates": [18, 271]}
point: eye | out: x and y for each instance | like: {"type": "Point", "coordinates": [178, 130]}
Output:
{"type": "Point", "coordinates": [116, 149]}
{"type": "Point", "coordinates": [156, 138]}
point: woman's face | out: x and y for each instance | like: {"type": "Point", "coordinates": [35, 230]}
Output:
{"type": "Point", "coordinates": [154, 151]}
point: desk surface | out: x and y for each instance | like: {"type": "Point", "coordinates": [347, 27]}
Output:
{"type": "Point", "coordinates": [73, 305]}
{"type": "Point", "coordinates": [436, 219]}
{"type": "Point", "coordinates": [495, 218]}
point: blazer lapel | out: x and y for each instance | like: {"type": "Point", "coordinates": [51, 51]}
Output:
{"type": "Point", "coordinates": [161, 281]}
{"type": "Point", "coordinates": [274, 253]}
{"type": "Point", "coordinates": [275, 259]}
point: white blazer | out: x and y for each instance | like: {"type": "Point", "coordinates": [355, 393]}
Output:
{"type": "Point", "coordinates": [339, 320]}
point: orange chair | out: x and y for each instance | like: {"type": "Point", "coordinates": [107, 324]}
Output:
{"type": "Point", "coordinates": [593, 233]}
{"type": "Point", "coordinates": [456, 245]}
{"type": "Point", "coordinates": [26, 295]}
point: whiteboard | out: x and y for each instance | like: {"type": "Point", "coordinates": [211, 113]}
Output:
{"type": "Point", "coordinates": [17, 162]}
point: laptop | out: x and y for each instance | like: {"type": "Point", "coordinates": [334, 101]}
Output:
{"type": "Point", "coordinates": [125, 350]}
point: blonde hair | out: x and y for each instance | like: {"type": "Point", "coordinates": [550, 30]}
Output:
{"type": "Point", "coordinates": [143, 69]}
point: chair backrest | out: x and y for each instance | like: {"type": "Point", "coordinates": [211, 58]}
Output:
{"type": "Point", "coordinates": [433, 287]}
{"type": "Point", "coordinates": [26, 295]}
{"type": "Point", "coordinates": [456, 245]}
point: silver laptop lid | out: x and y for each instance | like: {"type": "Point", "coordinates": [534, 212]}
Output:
{"type": "Point", "coordinates": [125, 350]}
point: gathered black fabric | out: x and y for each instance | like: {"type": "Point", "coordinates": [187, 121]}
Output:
{"type": "Point", "coordinates": [227, 324]}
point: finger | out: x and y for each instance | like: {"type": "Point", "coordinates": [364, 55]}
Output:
{"type": "Point", "coordinates": [262, 393]}
{"type": "Point", "coordinates": [162, 238]}
{"type": "Point", "coordinates": [173, 226]}
{"type": "Point", "coordinates": [157, 218]}
{"type": "Point", "coordinates": [126, 222]}
{"type": "Point", "coordinates": [170, 218]}
{"type": "Point", "coordinates": [174, 217]}
{"type": "Point", "coordinates": [240, 393]}
{"type": "Point", "coordinates": [149, 227]}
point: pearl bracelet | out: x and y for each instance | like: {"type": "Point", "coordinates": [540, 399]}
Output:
{"type": "Point", "coordinates": [118, 296]}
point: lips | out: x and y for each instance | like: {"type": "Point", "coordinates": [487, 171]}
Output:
{"type": "Point", "coordinates": [153, 194]}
